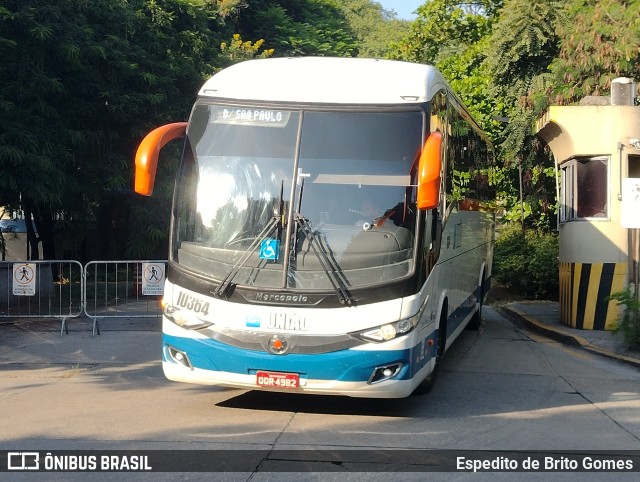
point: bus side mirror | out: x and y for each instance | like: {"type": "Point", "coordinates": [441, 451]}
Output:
{"type": "Point", "coordinates": [429, 172]}
{"type": "Point", "coordinates": [148, 151]}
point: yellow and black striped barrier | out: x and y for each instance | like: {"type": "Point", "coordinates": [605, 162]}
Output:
{"type": "Point", "coordinates": [584, 292]}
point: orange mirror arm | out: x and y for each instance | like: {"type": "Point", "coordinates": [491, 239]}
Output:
{"type": "Point", "coordinates": [148, 151]}
{"type": "Point", "coordinates": [429, 172]}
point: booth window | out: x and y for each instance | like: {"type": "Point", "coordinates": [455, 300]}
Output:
{"type": "Point", "coordinates": [584, 191]}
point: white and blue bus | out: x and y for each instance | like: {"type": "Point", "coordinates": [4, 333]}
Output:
{"type": "Point", "coordinates": [332, 227]}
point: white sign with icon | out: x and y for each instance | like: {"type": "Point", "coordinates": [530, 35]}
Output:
{"type": "Point", "coordinates": [152, 278]}
{"type": "Point", "coordinates": [631, 203]}
{"type": "Point", "coordinates": [24, 279]}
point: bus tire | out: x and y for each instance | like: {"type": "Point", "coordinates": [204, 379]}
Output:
{"type": "Point", "coordinates": [427, 384]}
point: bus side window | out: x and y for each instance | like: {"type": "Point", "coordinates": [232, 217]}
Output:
{"type": "Point", "coordinates": [432, 238]}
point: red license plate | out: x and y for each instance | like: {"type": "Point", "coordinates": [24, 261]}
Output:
{"type": "Point", "coordinates": [278, 380]}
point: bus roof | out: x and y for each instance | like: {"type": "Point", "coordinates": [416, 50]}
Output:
{"type": "Point", "coordinates": [326, 80]}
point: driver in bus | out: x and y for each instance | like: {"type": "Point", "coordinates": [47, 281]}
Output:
{"type": "Point", "coordinates": [375, 216]}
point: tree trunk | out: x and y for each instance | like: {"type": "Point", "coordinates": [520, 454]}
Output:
{"type": "Point", "coordinates": [33, 251]}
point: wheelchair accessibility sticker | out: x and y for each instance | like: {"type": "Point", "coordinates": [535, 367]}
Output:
{"type": "Point", "coordinates": [269, 249]}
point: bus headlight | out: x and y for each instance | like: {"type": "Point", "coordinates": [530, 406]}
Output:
{"type": "Point", "coordinates": [184, 318]}
{"type": "Point", "coordinates": [387, 331]}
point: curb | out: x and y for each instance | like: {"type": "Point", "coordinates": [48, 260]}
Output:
{"type": "Point", "coordinates": [565, 337]}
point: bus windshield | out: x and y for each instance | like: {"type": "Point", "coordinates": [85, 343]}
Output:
{"type": "Point", "coordinates": [298, 199]}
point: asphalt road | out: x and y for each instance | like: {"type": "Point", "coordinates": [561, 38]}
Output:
{"type": "Point", "coordinates": [503, 388]}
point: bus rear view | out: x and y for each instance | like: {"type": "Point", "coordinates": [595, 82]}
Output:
{"type": "Point", "coordinates": [309, 211]}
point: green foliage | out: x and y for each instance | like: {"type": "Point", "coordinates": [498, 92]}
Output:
{"type": "Point", "coordinates": [228, 8]}
{"type": "Point", "coordinates": [375, 28]}
{"type": "Point", "coordinates": [298, 27]}
{"type": "Point", "coordinates": [443, 28]}
{"type": "Point", "coordinates": [629, 322]}
{"type": "Point", "coordinates": [600, 41]}
{"type": "Point", "coordinates": [491, 69]}
{"type": "Point", "coordinates": [453, 36]}
{"type": "Point", "coordinates": [74, 109]}
{"type": "Point", "coordinates": [82, 82]}
{"type": "Point", "coordinates": [527, 261]}
{"type": "Point", "coordinates": [238, 50]}
{"type": "Point", "coordinates": [523, 44]}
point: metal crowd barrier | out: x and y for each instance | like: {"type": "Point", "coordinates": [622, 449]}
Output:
{"type": "Point", "coordinates": [123, 289]}
{"type": "Point", "coordinates": [41, 289]}
{"type": "Point", "coordinates": [64, 289]}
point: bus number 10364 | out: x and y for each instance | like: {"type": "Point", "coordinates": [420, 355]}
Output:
{"type": "Point", "coordinates": [192, 303]}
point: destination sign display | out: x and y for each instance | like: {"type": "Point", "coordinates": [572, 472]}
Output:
{"type": "Point", "coordinates": [246, 116]}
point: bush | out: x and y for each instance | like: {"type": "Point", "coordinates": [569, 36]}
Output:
{"type": "Point", "coordinates": [629, 322]}
{"type": "Point", "coordinates": [527, 262]}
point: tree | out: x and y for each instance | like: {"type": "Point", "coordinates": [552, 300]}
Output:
{"type": "Point", "coordinates": [74, 108]}
{"type": "Point", "coordinates": [445, 27]}
{"type": "Point", "coordinates": [554, 51]}
{"type": "Point", "coordinates": [600, 41]}
{"type": "Point", "coordinates": [84, 81]}
{"type": "Point", "coordinates": [522, 45]}
{"type": "Point", "coordinates": [297, 27]}
{"type": "Point", "coordinates": [238, 50]}
{"type": "Point", "coordinates": [452, 35]}
{"type": "Point", "coordinates": [375, 28]}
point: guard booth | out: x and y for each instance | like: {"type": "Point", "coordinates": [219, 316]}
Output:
{"type": "Point", "coordinates": [596, 146]}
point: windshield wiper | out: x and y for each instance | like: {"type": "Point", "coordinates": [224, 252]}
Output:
{"type": "Point", "coordinates": [329, 266]}
{"type": "Point", "coordinates": [224, 287]}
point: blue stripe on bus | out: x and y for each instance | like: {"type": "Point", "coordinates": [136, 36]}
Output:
{"type": "Point", "coordinates": [344, 365]}
{"type": "Point", "coordinates": [461, 312]}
